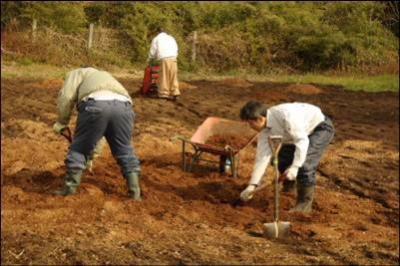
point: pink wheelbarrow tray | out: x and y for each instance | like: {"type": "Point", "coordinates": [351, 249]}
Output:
{"type": "Point", "coordinates": [210, 127]}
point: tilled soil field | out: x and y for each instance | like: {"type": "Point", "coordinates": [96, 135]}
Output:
{"type": "Point", "coordinates": [192, 218]}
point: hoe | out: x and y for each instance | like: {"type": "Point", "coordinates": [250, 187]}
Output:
{"type": "Point", "coordinates": [66, 133]}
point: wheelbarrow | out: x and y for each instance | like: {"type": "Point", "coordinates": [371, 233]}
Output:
{"type": "Point", "coordinates": [213, 126]}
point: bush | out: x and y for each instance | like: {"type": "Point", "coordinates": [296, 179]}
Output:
{"type": "Point", "coordinates": [67, 17]}
{"type": "Point", "coordinates": [261, 36]}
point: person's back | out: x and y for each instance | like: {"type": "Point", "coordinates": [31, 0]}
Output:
{"type": "Point", "coordinates": [104, 110]}
{"type": "Point", "coordinates": [81, 83]}
{"type": "Point", "coordinates": [305, 133]}
{"type": "Point", "coordinates": [165, 45]}
{"type": "Point", "coordinates": [164, 48]}
{"type": "Point", "coordinates": [307, 114]}
{"type": "Point", "coordinates": [100, 80]}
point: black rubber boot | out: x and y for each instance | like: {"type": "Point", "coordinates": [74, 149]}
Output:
{"type": "Point", "coordinates": [132, 181]}
{"type": "Point", "coordinates": [305, 197]}
{"type": "Point", "coordinates": [289, 186]}
{"type": "Point", "coordinates": [72, 181]}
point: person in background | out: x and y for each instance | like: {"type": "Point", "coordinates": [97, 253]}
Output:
{"type": "Point", "coordinates": [165, 50]}
{"type": "Point", "coordinates": [306, 133]}
{"type": "Point", "coordinates": [104, 109]}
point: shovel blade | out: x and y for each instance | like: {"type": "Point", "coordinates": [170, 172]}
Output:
{"type": "Point", "coordinates": [277, 229]}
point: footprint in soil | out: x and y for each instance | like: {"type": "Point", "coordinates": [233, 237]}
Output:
{"type": "Point", "coordinates": [360, 227]}
{"type": "Point", "coordinates": [34, 181]}
{"type": "Point", "coordinates": [214, 192]}
{"type": "Point", "coordinates": [255, 233]}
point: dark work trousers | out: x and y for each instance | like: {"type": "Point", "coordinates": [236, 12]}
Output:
{"type": "Point", "coordinates": [319, 140]}
{"type": "Point", "coordinates": [112, 119]}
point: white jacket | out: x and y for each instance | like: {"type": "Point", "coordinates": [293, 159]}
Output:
{"type": "Point", "coordinates": [163, 46]}
{"type": "Point", "coordinates": [294, 122]}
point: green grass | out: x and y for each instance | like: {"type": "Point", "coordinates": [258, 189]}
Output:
{"type": "Point", "coordinates": [26, 69]}
{"type": "Point", "coordinates": [349, 82]}
{"type": "Point", "coordinates": [365, 82]}
{"type": "Point", "coordinates": [30, 70]}
{"type": "Point", "coordinates": [22, 69]}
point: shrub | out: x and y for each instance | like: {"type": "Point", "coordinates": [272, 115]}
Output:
{"type": "Point", "coordinates": [261, 36]}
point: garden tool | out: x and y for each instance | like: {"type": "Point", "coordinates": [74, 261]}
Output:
{"type": "Point", "coordinates": [151, 75]}
{"type": "Point", "coordinates": [277, 228]}
{"type": "Point", "coordinates": [66, 132]}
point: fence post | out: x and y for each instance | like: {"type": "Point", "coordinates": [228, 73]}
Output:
{"type": "Point", "coordinates": [34, 27]}
{"type": "Point", "coordinates": [90, 36]}
{"type": "Point", "coordinates": [194, 46]}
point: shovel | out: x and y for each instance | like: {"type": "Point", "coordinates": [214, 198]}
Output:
{"type": "Point", "coordinates": [277, 228]}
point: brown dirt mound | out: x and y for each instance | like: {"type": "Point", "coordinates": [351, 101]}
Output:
{"type": "Point", "coordinates": [52, 83]}
{"type": "Point", "coordinates": [305, 89]}
{"type": "Point", "coordinates": [194, 217]}
{"type": "Point", "coordinates": [236, 82]}
{"type": "Point", "coordinates": [234, 141]}
{"type": "Point", "coordinates": [185, 85]}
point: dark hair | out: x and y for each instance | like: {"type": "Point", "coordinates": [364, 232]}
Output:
{"type": "Point", "coordinates": [159, 28]}
{"type": "Point", "coordinates": [156, 30]}
{"type": "Point", "coordinates": [252, 110]}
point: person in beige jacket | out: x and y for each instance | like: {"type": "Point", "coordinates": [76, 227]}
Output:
{"type": "Point", "coordinates": [104, 110]}
{"type": "Point", "coordinates": [165, 49]}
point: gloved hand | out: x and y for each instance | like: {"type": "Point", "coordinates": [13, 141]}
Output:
{"type": "Point", "coordinates": [58, 127]}
{"type": "Point", "coordinates": [289, 174]}
{"type": "Point", "coordinates": [247, 194]}
{"type": "Point", "coordinates": [89, 165]}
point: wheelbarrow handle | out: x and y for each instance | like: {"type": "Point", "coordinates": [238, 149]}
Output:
{"type": "Point", "coordinates": [178, 137]}
{"type": "Point", "coordinates": [66, 132]}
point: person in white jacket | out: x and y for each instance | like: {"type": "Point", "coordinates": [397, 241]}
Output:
{"type": "Point", "coordinates": [306, 133]}
{"type": "Point", "coordinates": [165, 49]}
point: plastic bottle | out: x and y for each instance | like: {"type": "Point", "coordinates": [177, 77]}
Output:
{"type": "Point", "coordinates": [227, 165]}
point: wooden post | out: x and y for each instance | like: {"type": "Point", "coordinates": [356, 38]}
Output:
{"type": "Point", "coordinates": [34, 27]}
{"type": "Point", "coordinates": [90, 35]}
{"type": "Point", "coordinates": [194, 46]}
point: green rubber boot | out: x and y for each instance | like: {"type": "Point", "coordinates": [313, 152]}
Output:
{"type": "Point", "coordinates": [289, 186]}
{"type": "Point", "coordinates": [305, 197]}
{"type": "Point", "coordinates": [72, 181]}
{"type": "Point", "coordinates": [132, 181]}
